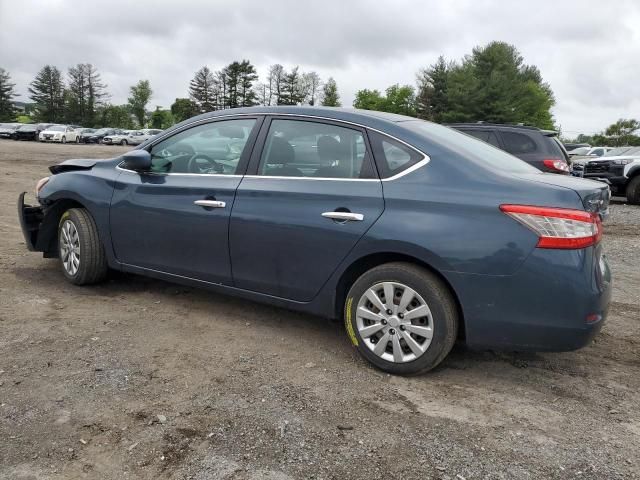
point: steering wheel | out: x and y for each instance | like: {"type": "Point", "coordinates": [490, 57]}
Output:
{"type": "Point", "coordinates": [193, 167]}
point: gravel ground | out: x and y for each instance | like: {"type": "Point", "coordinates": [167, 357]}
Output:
{"type": "Point", "coordinates": [138, 378]}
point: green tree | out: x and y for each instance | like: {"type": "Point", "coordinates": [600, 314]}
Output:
{"type": "Point", "coordinates": [183, 108]}
{"type": "Point", "coordinates": [330, 96]}
{"type": "Point", "coordinates": [47, 91]}
{"type": "Point", "coordinates": [432, 97]}
{"type": "Point", "coordinates": [84, 95]}
{"type": "Point", "coordinates": [369, 100]}
{"type": "Point", "coordinates": [140, 94]}
{"type": "Point", "coordinates": [493, 84]}
{"type": "Point", "coordinates": [400, 100]}
{"type": "Point", "coordinates": [293, 88]}
{"type": "Point", "coordinates": [115, 116]}
{"type": "Point", "coordinates": [246, 94]}
{"type": "Point", "coordinates": [201, 90]}
{"type": "Point", "coordinates": [620, 133]}
{"type": "Point", "coordinates": [235, 84]}
{"type": "Point", "coordinates": [7, 111]}
{"type": "Point", "coordinates": [161, 119]}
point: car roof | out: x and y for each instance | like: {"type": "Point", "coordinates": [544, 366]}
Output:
{"type": "Point", "coordinates": [364, 117]}
{"type": "Point", "coordinates": [501, 125]}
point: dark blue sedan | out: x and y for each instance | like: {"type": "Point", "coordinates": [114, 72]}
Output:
{"type": "Point", "coordinates": [415, 234]}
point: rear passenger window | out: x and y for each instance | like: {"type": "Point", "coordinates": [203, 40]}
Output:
{"type": "Point", "coordinates": [296, 148]}
{"type": "Point", "coordinates": [517, 143]}
{"type": "Point", "coordinates": [392, 157]}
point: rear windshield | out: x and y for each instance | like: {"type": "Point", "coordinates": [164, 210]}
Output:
{"type": "Point", "coordinates": [556, 148]}
{"type": "Point", "coordinates": [470, 147]}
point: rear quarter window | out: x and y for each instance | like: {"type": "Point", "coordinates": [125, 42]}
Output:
{"type": "Point", "coordinates": [518, 143]}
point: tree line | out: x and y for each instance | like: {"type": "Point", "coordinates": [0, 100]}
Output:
{"type": "Point", "coordinates": [82, 98]}
{"type": "Point", "coordinates": [491, 84]}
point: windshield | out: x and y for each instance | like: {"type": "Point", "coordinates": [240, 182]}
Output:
{"type": "Point", "coordinates": [580, 151]}
{"type": "Point", "coordinates": [470, 147]}
{"type": "Point", "coordinates": [27, 127]}
{"type": "Point", "coordinates": [56, 128]}
{"type": "Point", "coordinates": [102, 131]}
{"type": "Point", "coordinates": [617, 151]}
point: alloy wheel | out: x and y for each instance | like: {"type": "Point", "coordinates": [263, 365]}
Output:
{"type": "Point", "coordinates": [394, 322]}
{"type": "Point", "coordinates": [70, 247]}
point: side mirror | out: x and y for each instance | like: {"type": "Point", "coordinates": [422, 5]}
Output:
{"type": "Point", "coordinates": [137, 160]}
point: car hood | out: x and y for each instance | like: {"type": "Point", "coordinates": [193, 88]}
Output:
{"type": "Point", "coordinates": [51, 132]}
{"type": "Point", "coordinates": [68, 165]}
{"type": "Point", "coordinates": [595, 195]}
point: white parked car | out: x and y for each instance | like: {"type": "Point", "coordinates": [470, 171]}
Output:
{"type": "Point", "coordinates": [59, 134]}
{"type": "Point", "coordinates": [140, 136]}
{"type": "Point", "coordinates": [118, 138]}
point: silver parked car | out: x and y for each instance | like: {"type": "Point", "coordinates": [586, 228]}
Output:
{"type": "Point", "coordinates": [140, 136]}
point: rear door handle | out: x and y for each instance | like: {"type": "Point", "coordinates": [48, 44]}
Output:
{"type": "Point", "coordinates": [344, 216]}
{"type": "Point", "coordinates": [210, 203]}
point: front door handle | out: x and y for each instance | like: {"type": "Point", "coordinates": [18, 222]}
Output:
{"type": "Point", "coordinates": [210, 203]}
{"type": "Point", "coordinates": [344, 216]}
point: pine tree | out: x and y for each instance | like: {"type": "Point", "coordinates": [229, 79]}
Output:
{"type": "Point", "coordinates": [84, 95]}
{"type": "Point", "coordinates": [47, 92]}
{"type": "Point", "coordinates": [201, 90]}
{"type": "Point", "coordinates": [293, 88]}
{"type": "Point", "coordinates": [330, 97]}
{"type": "Point", "coordinates": [248, 75]}
{"type": "Point", "coordinates": [7, 111]}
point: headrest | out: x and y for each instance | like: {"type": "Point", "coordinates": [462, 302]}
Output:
{"type": "Point", "coordinates": [281, 152]}
{"type": "Point", "coordinates": [330, 149]}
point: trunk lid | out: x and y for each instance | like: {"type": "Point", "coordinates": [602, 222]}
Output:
{"type": "Point", "coordinates": [595, 196]}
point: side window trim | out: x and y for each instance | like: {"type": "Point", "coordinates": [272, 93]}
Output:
{"type": "Point", "coordinates": [260, 144]}
{"type": "Point", "coordinates": [405, 171]}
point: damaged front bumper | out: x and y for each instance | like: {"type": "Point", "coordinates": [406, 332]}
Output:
{"type": "Point", "coordinates": [30, 220]}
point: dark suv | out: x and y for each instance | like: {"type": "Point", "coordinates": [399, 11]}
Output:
{"type": "Point", "coordinates": [540, 148]}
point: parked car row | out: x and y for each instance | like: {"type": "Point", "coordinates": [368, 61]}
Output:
{"type": "Point", "coordinates": [45, 132]}
{"type": "Point", "coordinates": [618, 167]}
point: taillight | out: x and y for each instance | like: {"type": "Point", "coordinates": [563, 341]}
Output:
{"type": "Point", "coordinates": [558, 227]}
{"type": "Point", "coordinates": [558, 165]}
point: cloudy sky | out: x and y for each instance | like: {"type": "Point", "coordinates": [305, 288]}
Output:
{"type": "Point", "coordinates": [588, 50]}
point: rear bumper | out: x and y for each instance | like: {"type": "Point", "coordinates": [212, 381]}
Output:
{"type": "Point", "coordinates": [30, 220]}
{"type": "Point", "coordinates": [557, 301]}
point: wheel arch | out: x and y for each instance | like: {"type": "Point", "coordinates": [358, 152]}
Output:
{"type": "Point", "coordinates": [367, 262]}
{"type": "Point", "coordinates": [48, 234]}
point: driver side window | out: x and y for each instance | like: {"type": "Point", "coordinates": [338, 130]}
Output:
{"type": "Point", "coordinates": [212, 148]}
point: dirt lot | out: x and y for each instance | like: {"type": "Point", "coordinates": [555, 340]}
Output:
{"type": "Point", "coordinates": [139, 378]}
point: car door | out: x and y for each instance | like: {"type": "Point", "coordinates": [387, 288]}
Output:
{"type": "Point", "coordinates": [71, 134]}
{"type": "Point", "coordinates": [175, 218]}
{"type": "Point", "coordinates": [310, 195]}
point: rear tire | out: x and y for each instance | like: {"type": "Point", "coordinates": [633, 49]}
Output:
{"type": "Point", "coordinates": [81, 253]}
{"type": "Point", "coordinates": [633, 191]}
{"type": "Point", "coordinates": [123, 143]}
{"type": "Point", "coordinates": [403, 343]}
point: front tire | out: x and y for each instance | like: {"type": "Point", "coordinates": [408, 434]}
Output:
{"type": "Point", "coordinates": [81, 253]}
{"type": "Point", "coordinates": [123, 143]}
{"type": "Point", "coordinates": [633, 191]}
{"type": "Point", "coordinates": [402, 318]}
